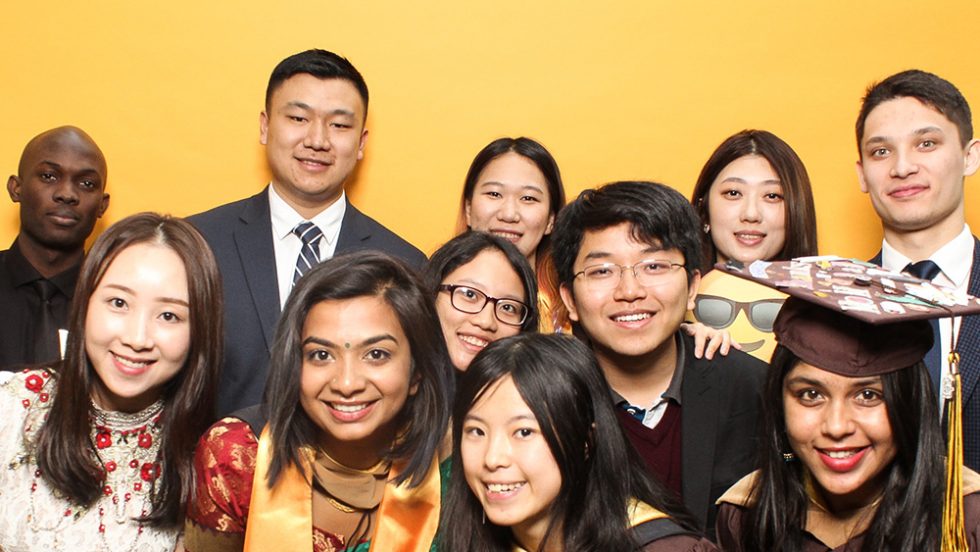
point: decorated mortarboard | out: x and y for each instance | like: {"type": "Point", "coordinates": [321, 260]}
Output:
{"type": "Point", "coordinates": [863, 290]}
{"type": "Point", "coordinates": [858, 319]}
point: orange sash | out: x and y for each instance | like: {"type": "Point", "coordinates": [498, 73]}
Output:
{"type": "Point", "coordinates": [281, 518]}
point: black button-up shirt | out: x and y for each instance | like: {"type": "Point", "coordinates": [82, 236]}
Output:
{"type": "Point", "coordinates": [20, 305]}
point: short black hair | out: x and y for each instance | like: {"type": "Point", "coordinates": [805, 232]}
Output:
{"type": "Point", "coordinates": [656, 213]}
{"type": "Point", "coordinates": [930, 89]}
{"type": "Point", "coordinates": [322, 65]}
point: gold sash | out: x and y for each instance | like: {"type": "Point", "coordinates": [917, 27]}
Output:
{"type": "Point", "coordinates": [281, 518]}
{"type": "Point", "coordinates": [639, 512]}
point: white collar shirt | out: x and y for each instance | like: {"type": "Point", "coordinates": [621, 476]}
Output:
{"type": "Point", "coordinates": [287, 245]}
{"type": "Point", "coordinates": [954, 260]}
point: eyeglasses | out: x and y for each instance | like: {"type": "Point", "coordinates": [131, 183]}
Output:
{"type": "Point", "coordinates": [472, 301]}
{"type": "Point", "coordinates": [606, 276]}
{"type": "Point", "coordinates": [720, 312]}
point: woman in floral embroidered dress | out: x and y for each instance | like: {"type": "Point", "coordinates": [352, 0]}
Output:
{"type": "Point", "coordinates": [357, 402]}
{"type": "Point", "coordinates": [98, 447]}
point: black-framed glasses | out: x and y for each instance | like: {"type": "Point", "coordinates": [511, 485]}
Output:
{"type": "Point", "coordinates": [472, 301]}
{"type": "Point", "coordinates": [720, 312]}
{"type": "Point", "coordinates": [607, 275]}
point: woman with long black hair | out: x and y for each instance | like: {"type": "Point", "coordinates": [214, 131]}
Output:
{"type": "Point", "coordinates": [542, 463]}
{"type": "Point", "coordinates": [852, 454]}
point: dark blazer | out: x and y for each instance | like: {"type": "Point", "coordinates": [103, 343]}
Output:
{"type": "Point", "coordinates": [968, 345]}
{"type": "Point", "coordinates": [721, 412]}
{"type": "Point", "coordinates": [240, 234]}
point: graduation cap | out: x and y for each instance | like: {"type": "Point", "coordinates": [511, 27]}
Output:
{"type": "Point", "coordinates": [854, 318]}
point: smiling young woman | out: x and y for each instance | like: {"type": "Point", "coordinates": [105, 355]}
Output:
{"type": "Point", "coordinates": [853, 454]}
{"type": "Point", "coordinates": [754, 200]}
{"type": "Point", "coordinates": [98, 448]}
{"type": "Point", "coordinates": [542, 463]}
{"type": "Point", "coordinates": [357, 403]}
{"type": "Point", "coordinates": [513, 190]}
{"type": "Point", "coordinates": [484, 290]}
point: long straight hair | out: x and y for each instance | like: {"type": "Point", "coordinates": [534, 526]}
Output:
{"type": "Point", "coordinates": [909, 515]}
{"type": "Point", "coordinates": [188, 396]}
{"type": "Point", "coordinates": [800, 215]}
{"type": "Point", "coordinates": [426, 413]}
{"type": "Point", "coordinates": [559, 379]}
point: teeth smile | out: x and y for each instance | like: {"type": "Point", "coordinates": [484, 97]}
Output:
{"type": "Point", "coordinates": [633, 317]}
{"type": "Point", "coordinates": [503, 488]}
{"type": "Point", "coordinates": [506, 235]}
{"type": "Point", "coordinates": [135, 364]}
{"type": "Point", "coordinates": [840, 454]}
{"type": "Point", "coordinates": [348, 407]}
{"type": "Point", "coordinates": [473, 340]}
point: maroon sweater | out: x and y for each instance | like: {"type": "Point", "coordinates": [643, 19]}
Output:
{"type": "Point", "coordinates": [660, 447]}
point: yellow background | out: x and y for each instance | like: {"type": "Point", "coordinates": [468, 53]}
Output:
{"type": "Point", "coordinates": [621, 90]}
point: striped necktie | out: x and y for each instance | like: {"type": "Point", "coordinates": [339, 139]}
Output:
{"type": "Point", "coordinates": [309, 255]}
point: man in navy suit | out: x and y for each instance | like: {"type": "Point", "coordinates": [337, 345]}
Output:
{"type": "Point", "coordinates": [916, 147]}
{"type": "Point", "coordinates": [313, 130]}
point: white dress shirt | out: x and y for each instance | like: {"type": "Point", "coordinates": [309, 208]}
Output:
{"type": "Point", "coordinates": [288, 245]}
{"type": "Point", "coordinates": [954, 260]}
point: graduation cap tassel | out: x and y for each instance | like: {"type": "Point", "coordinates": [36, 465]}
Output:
{"type": "Point", "coordinates": [954, 533]}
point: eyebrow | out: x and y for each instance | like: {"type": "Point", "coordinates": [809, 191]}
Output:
{"type": "Point", "coordinates": [513, 419]}
{"type": "Point", "coordinates": [603, 254]}
{"type": "Point", "coordinates": [173, 300]}
{"type": "Point", "coordinates": [740, 180]}
{"type": "Point", "coordinates": [479, 287]}
{"type": "Point", "coordinates": [874, 140]}
{"type": "Point", "coordinates": [523, 187]}
{"type": "Point", "coordinates": [369, 341]}
{"type": "Point", "coordinates": [308, 107]}
{"type": "Point", "coordinates": [864, 382]}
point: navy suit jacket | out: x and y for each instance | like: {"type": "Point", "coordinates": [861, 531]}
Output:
{"type": "Point", "coordinates": [968, 345]}
{"type": "Point", "coordinates": [240, 234]}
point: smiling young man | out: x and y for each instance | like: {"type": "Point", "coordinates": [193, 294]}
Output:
{"type": "Point", "coordinates": [60, 186]}
{"type": "Point", "coordinates": [313, 129]}
{"type": "Point", "coordinates": [627, 256]}
{"type": "Point", "coordinates": [916, 147]}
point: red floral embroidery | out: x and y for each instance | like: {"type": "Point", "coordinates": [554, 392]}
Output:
{"type": "Point", "coordinates": [110, 466]}
{"type": "Point", "coordinates": [34, 383]}
{"type": "Point", "coordinates": [145, 440]}
{"type": "Point", "coordinates": [134, 463]}
{"type": "Point", "coordinates": [138, 486]}
{"type": "Point", "coordinates": [107, 490]}
{"type": "Point", "coordinates": [149, 472]}
{"type": "Point", "coordinates": [44, 397]}
{"type": "Point", "coordinates": [26, 403]}
{"type": "Point", "coordinates": [103, 439]}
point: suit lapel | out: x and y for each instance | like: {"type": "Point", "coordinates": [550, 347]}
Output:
{"type": "Point", "coordinates": [698, 429]}
{"type": "Point", "coordinates": [353, 231]}
{"type": "Point", "coordinates": [253, 239]}
{"type": "Point", "coordinates": [968, 341]}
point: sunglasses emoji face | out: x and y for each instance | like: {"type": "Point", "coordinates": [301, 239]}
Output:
{"type": "Point", "coordinates": [744, 308]}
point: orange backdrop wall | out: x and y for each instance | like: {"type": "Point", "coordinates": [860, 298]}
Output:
{"type": "Point", "coordinates": [622, 90]}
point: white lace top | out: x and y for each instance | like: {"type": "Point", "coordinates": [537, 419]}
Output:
{"type": "Point", "coordinates": [33, 516]}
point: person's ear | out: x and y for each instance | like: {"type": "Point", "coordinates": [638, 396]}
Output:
{"type": "Point", "coordinates": [568, 298]}
{"type": "Point", "coordinates": [13, 188]}
{"type": "Point", "coordinates": [692, 289]}
{"type": "Point", "coordinates": [263, 129]}
{"type": "Point", "coordinates": [972, 157]}
{"type": "Point", "coordinates": [859, 167]}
